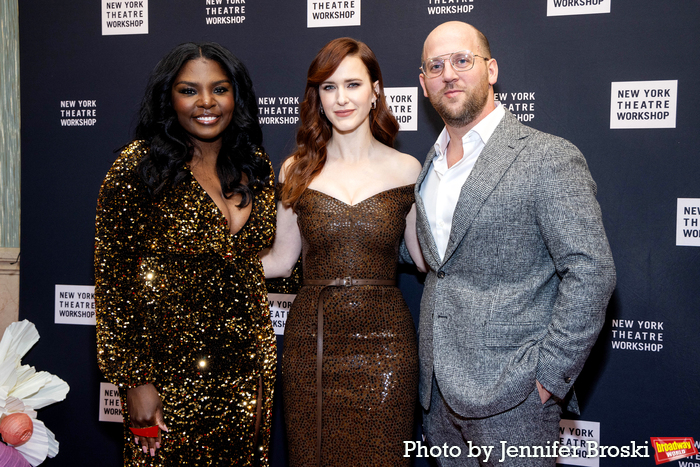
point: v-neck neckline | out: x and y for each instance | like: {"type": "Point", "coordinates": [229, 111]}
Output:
{"type": "Point", "coordinates": [218, 209]}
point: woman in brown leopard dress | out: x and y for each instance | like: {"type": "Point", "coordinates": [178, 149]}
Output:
{"type": "Point", "coordinates": [350, 362]}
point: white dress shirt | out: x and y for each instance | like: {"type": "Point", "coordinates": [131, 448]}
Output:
{"type": "Point", "coordinates": [442, 185]}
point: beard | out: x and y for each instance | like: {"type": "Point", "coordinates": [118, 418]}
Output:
{"type": "Point", "coordinates": [474, 102]}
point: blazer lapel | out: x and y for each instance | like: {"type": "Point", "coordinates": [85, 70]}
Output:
{"type": "Point", "coordinates": [497, 156]}
{"type": "Point", "coordinates": [425, 236]}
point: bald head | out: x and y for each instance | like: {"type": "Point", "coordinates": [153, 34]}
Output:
{"type": "Point", "coordinates": [462, 97]}
{"type": "Point", "coordinates": [455, 32]}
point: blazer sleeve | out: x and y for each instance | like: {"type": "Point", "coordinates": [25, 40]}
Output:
{"type": "Point", "coordinates": [570, 222]}
{"type": "Point", "coordinates": [123, 336]}
{"type": "Point", "coordinates": [404, 254]}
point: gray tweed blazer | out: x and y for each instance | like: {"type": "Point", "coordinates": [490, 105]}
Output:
{"type": "Point", "coordinates": [522, 291]}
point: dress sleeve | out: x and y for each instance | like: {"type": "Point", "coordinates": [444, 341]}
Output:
{"type": "Point", "coordinates": [267, 205]}
{"type": "Point", "coordinates": [122, 328]}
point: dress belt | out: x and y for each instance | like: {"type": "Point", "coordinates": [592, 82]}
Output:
{"type": "Point", "coordinates": [325, 283]}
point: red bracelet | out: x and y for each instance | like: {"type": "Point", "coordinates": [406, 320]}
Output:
{"type": "Point", "coordinates": [148, 432]}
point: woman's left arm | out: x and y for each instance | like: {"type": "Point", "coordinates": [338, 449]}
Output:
{"type": "Point", "coordinates": [279, 260]}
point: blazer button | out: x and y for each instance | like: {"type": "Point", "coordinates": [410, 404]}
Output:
{"type": "Point", "coordinates": [567, 380]}
{"type": "Point", "coordinates": [441, 274]}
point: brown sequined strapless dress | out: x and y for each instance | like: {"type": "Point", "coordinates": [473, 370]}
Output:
{"type": "Point", "coordinates": [369, 355]}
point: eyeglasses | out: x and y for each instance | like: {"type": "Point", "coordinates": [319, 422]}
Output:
{"type": "Point", "coordinates": [460, 61]}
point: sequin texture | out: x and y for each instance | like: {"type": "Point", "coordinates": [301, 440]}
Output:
{"type": "Point", "coordinates": [181, 303]}
{"type": "Point", "coordinates": [370, 359]}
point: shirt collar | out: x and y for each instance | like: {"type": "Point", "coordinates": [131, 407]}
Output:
{"type": "Point", "coordinates": [484, 129]}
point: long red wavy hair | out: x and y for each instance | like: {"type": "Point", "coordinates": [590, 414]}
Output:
{"type": "Point", "coordinates": [315, 130]}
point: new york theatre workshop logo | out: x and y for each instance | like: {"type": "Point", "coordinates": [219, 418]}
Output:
{"type": "Point", "coordinates": [328, 14]}
{"type": "Point", "coordinates": [673, 449]}
{"type": "Point", "coordinates": [121, 17]}
{"type": "Point", "coordinates": [449, 7]}
{"type": "Point", "coordinates": [577, 7]}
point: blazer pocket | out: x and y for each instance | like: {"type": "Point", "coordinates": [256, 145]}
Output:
{"type": "Point", "coordinates": [505, 334]}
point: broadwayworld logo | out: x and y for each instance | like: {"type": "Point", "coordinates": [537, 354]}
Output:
{"type": "Point", "coordinates": [672, 449]}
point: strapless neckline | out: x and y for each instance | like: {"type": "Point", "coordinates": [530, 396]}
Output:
{"type": "Point", "coordinates": [376, 195]}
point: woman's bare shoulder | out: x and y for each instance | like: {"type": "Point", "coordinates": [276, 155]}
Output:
{"type": "Point", "coordinates": [283, 170]}
{"type": "Point", "coordinates": [404, 166]}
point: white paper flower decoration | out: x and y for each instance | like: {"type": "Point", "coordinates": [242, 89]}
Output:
{"type": "Point", "coordinates": [25, 390]}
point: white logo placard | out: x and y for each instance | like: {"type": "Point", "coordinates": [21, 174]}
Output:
{"type": "Point", "coordinates": [124, 17]}
{"type": "Point", "coordinates": [74, 304]}
{"type": "Point", "coordinates": [643, 104]}
{"type": "Point", "coordinates": [279, 310]}
{"type": "Point", "coordinates": [688, 222]}
{"type": "Point", "coordinates": [402, 103]}
{"type": "Point", "coordinates": [578, 436]}
{"type": "Point", "coordinates": [110, 404]}
{"type": "Point", "coordinates": [438, 7]}
{"type": "Point", "coordinates": [328, 14]}
{"type": "Point", "coordinates": [577, 7]}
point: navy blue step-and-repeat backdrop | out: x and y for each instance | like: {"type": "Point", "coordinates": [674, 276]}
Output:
{"type": "Point", "coordinates": [619, 78]}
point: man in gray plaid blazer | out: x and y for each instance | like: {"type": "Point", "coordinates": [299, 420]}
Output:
{"type": "Point", "coordinates": [521, 270]}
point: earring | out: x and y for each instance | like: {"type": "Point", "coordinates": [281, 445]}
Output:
{"type": "Point", "coordinates": [374, 104]}
{"type": "Point", "coordinates": [322, 113]}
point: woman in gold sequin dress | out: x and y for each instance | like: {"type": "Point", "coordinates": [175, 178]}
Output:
{"type": "Point", "coordinates": [350, 364]}
{"type": "Point", "coordinates": [183, 326]}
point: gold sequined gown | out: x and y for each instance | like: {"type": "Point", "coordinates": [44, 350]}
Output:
{"type": "Point", "coordinates": [370, 361]}
{"type": "Point", "coordinates": [181, 303]}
